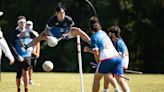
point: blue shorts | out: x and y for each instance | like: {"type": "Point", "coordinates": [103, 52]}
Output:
{"type": "Point", "coordinates": [112, 65]}
{"type": "Point", "coordinates": [56, 32]}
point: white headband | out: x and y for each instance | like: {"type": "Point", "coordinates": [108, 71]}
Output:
{"type": "Point", "coordinates": [29, 22]}
{"type": "Point", "coordinates": [21, 20]}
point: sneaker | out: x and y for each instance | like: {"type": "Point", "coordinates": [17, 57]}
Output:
{"type": "Point", "coordinates": [18, 90]}
{"type": "Point", "coordinates": [116, 90]}
{"type": "Point", "coordinates": [26, 90]}
{"type": "Point", "coordinates": [31, 82]}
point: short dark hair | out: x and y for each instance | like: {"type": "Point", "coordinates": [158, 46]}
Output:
{"type": "Point", "coordinates": [115, 29]}
{"type": "Point", "coordinates": [93, 19]}
{"type": "Point", "coordinates": [21, 17]}
{"type": "Point", "coordinates": [59, 7]}
{"type": "Point", "coordinates": [94, 23]}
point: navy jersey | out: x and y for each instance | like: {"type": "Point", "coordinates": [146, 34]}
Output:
{"type": "Point", "coordinates": [102, 42]}
{"type": "Point", "coordinates": [18, 41]}
{"type": "Point", "coordinates": [63, 26]}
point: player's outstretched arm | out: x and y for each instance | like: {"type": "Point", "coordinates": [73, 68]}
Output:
{"type": "Point", "coordinates": [77, 31]}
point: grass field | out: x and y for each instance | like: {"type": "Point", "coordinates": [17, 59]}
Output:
{"type": "Point", "coordinates": [69, 82]}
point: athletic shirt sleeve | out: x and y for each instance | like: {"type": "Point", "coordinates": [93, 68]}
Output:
{"type": "Point", "coordinates": [12, 42]}
{"type": "Point", "coordinates": [5, 48]}
{"type": "Point", "coordinates": [51, 22]}
{"type": "Point", "coordinates": [69, 21]}
{"type": "Point", "coordinates": [94, 43]}
{"type": "Point", "coordinates": [121, 46]}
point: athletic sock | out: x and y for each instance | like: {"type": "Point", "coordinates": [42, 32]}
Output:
{"type": "Point", "coordinates": [105, 90]}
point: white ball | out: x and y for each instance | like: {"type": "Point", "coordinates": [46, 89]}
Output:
{"type": "Point", "coordinates": [52, 41]}
{"type": "Point", "coordinates": [47, 66]}
{"type": "Point", "coordinates": [1, 13]}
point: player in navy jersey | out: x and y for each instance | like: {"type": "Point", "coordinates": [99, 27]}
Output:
{"type": "Point", "coordinates": [60, 25]}
{"type": "Point", "coordinates": [21, 37]}
{"type": "Point", "coordinates": [108, 59]}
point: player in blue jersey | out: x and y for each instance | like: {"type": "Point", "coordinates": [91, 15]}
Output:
{"type": "Point", "coordinates": [60, 25]}
{"type": "Point", "coordinates": [108, 59]}
{"type": "Point", "coordinates": [114, 33]}
{"type": "Point", "coordinates": [23, 56]}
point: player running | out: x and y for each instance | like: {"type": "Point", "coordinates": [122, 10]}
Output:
{"type": "Point", "coordinates": [114, 33]}
{"type": "Point", "coordinates": [109, 60]}
{"type": "Point", "coordinates": [60, 25]}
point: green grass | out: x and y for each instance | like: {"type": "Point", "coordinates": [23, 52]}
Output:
{"type": "Point", "coordinates": [69, 82]}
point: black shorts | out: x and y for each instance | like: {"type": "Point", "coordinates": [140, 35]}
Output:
{"type": "Point", "coordinates": [22, 65]}
{"type": "Point", "coordinates": [33, 60]}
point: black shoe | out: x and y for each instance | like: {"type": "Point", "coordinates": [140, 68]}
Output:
{"type": "Point", "coordinates": [26, 90]}
{"type": "Point", "coordinates": [19, 90]}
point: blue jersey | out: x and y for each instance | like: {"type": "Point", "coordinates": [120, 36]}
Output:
{"type": "Point", "coordinates": [110, 61]}
{"type": "Point", "coordinates": [18, 42]}
{"type": "Point", "coordinates": [121, 46]}
{"type": "Point", "coordinates": [102, 42]}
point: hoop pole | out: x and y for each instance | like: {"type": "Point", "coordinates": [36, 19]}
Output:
{"type": "Point", "coordinates": [80, 63]}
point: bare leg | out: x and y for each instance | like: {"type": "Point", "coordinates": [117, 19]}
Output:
{"type": "Point", "coordinates": [112, 80]}
{"type": "Point", "coordinates": [122, 83]}
{"type": "Point", "coordinates": [77, 31]}
{"type": "Point", "coordinates": [30, 72]}
{"type": "Point", "coordinates": [42, 36]}
{"type": "Point", "coordinates": [96, 83]}
{"type": "Point", "coordinates": [18, 82]}
{"type": "Point", "coordinates": [25, 78]}
{"type": "Point", "coordinates": [106, 83]}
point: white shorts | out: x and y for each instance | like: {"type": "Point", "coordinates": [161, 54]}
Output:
{"type": "Point", "coordinates": [125, 62]}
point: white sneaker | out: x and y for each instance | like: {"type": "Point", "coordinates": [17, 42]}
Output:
{"type": "Point", "coordinates": [31, 82]}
